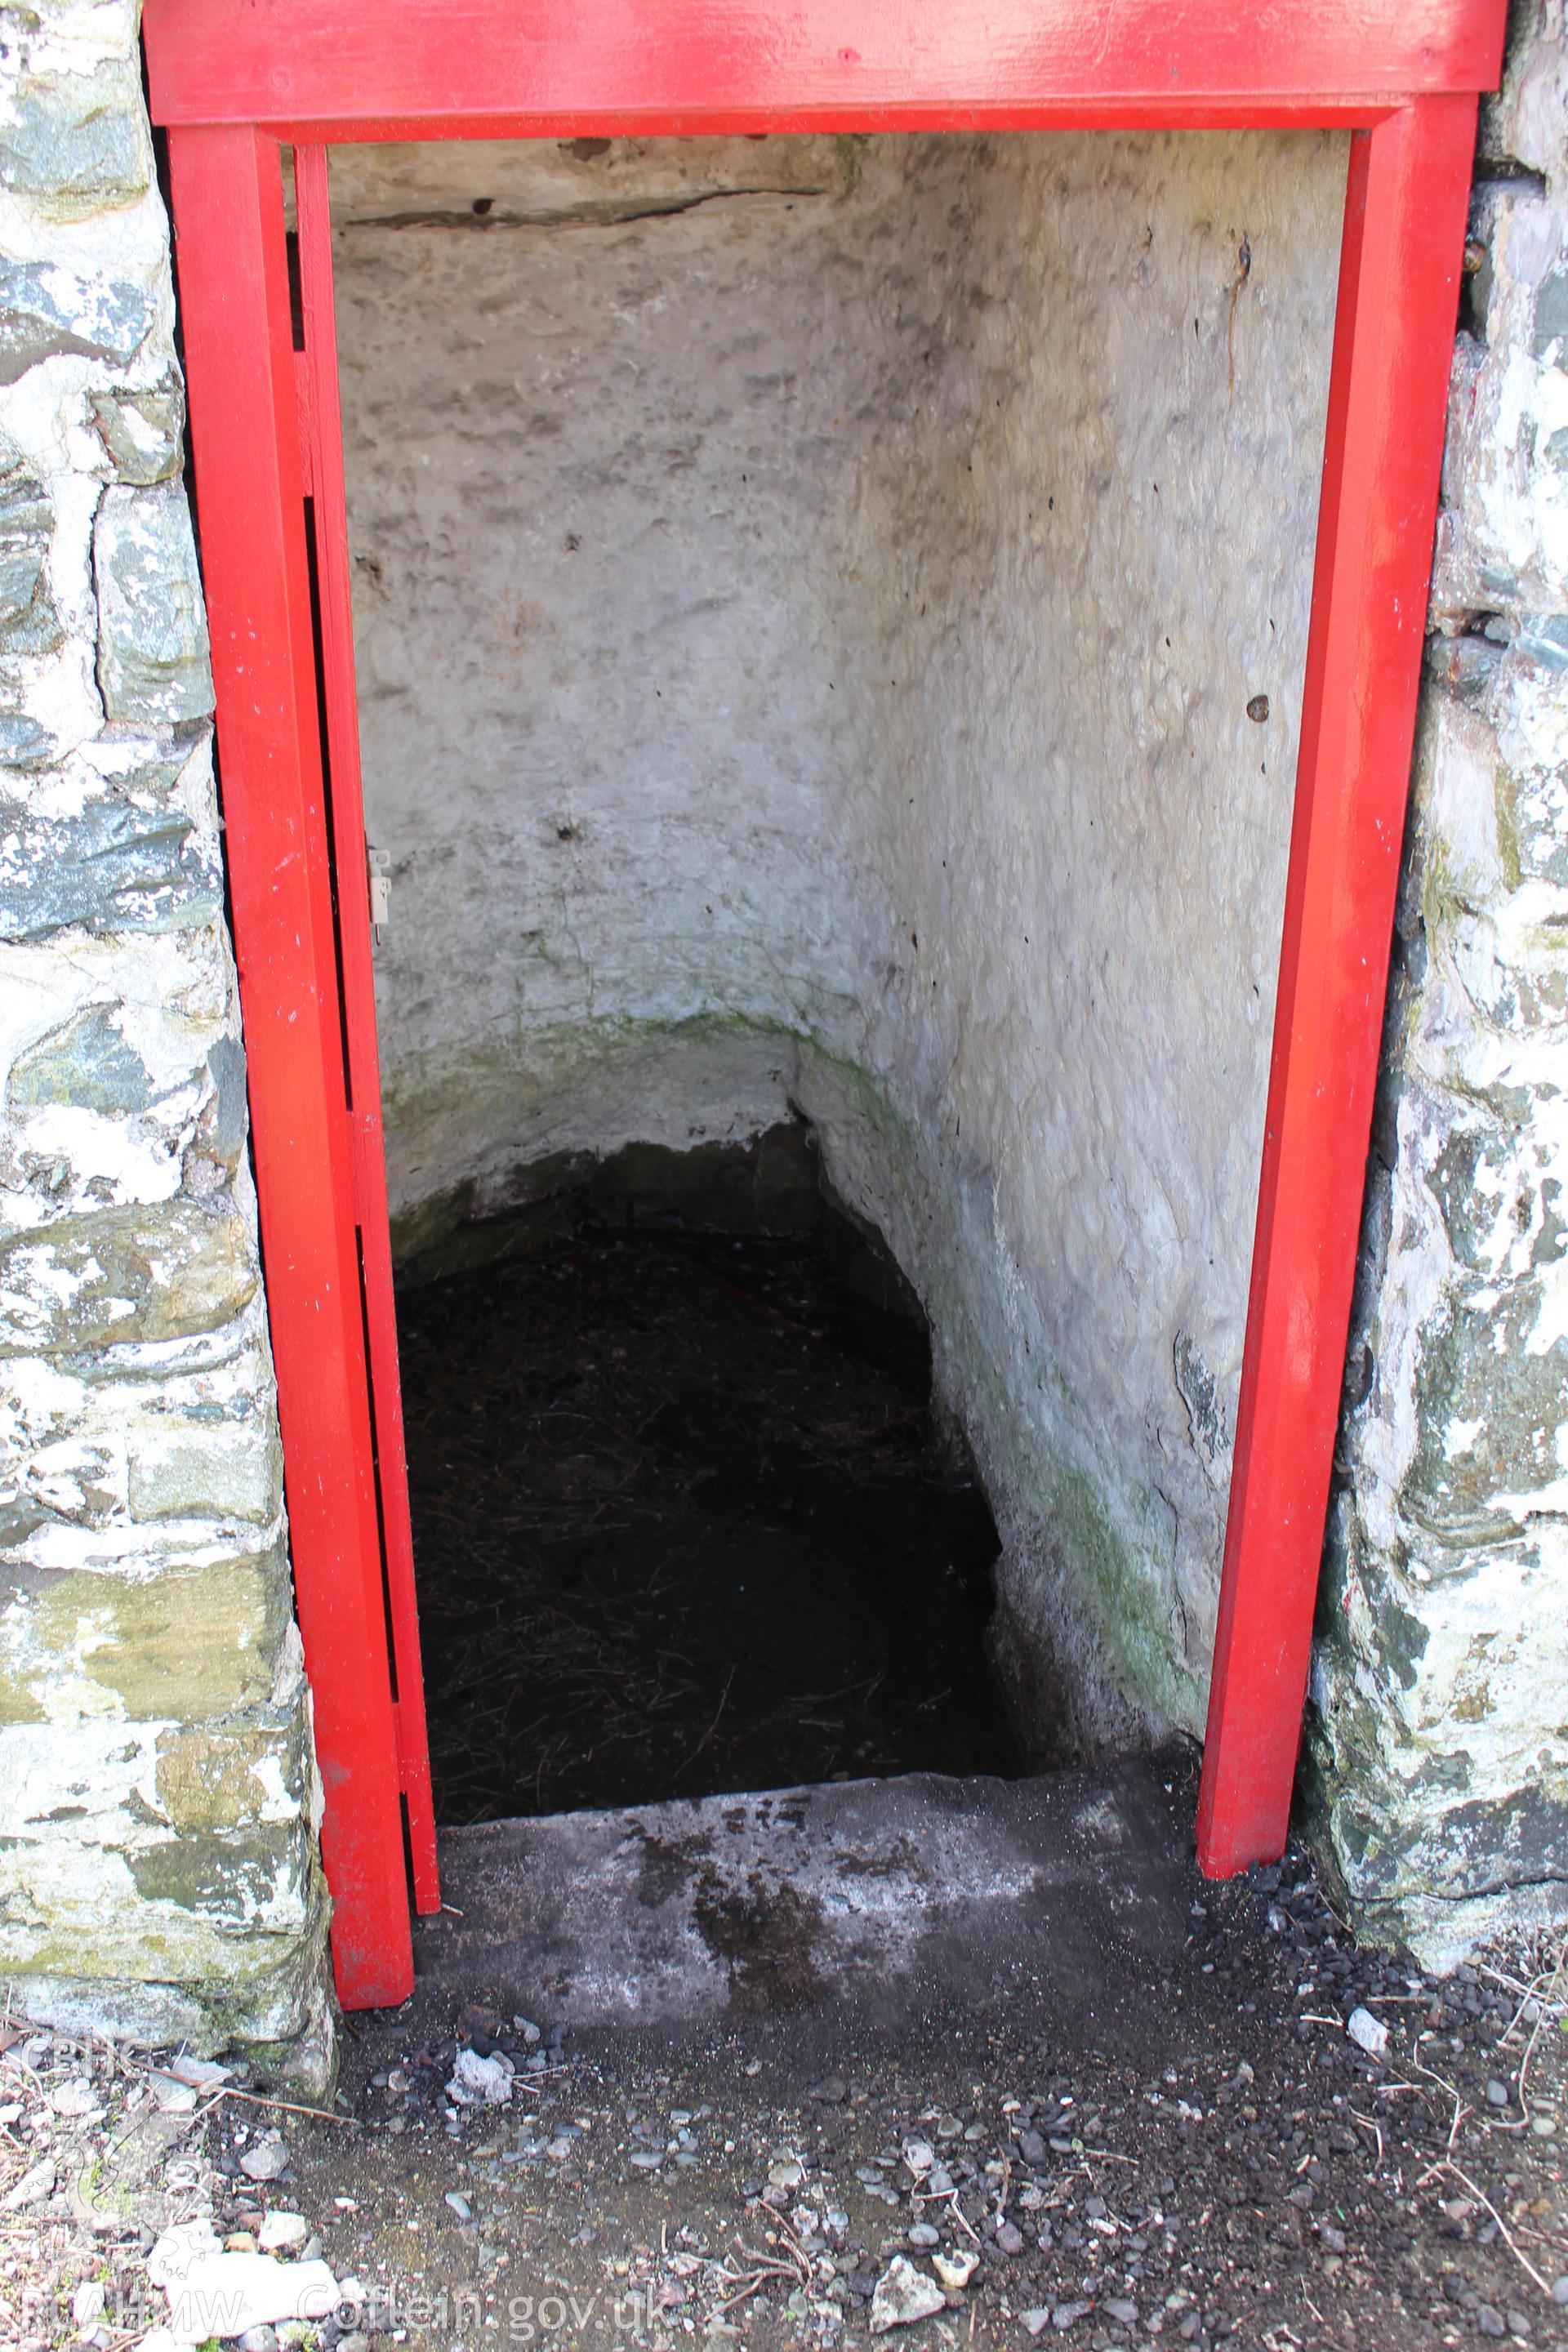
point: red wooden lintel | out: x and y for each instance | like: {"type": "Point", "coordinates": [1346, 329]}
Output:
{"type": "Point", "coordinates": [548, 68]}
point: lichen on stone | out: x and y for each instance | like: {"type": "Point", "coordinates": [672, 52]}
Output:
{"type": "Point", "coordinates": [1438, 1751]}
{"type": "Point", "coordinates": [159, 1875]}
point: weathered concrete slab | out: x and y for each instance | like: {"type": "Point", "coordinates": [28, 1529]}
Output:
{"type": "Point", "coordinates": [890, 1898]}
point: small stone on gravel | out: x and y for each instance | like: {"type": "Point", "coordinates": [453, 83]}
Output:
{"type": "Point", "coordinates": [280, 2232]}
{"type": "Point", "coordinates": [1368, 2032]}
{"type": "Point", "coordinates": [38, 2183]}
{"type": "Point", "coordinates": [903, 2295]}
{"type": "Point", "coordinates": [252, 2290]}
{"type": "Point", "coordinates": [265, 2161]}
{"type": "Point", "coordinates": [955, 2268]}
{"type": "Point", "coordinates": [88, 2303]}
{"type": "Point", "coordinates": [175, 2097]}
{"type": "Point", "coordinates": [480, 2082]}
{"type": "Point", "coordinates": [476, 2023]}
{"type": "Point", "coordinates": [460, 2204]}
{"type": "Point", "coordinates": [75, 2097]}
{"type": "Point", "coordinates": [200, 2073]}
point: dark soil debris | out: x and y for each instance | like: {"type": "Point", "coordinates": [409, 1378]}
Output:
{"type": "Point", "coordinates": [682, 1526]}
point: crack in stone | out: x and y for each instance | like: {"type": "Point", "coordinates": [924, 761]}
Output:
{"type": "Point", "coordinates": [606, 213]}
{"type": "Point", "coordinates": [1479, 1895]}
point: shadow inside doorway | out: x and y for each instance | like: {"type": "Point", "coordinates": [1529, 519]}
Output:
{"type": "Point", "coordinates": [683, 1524]}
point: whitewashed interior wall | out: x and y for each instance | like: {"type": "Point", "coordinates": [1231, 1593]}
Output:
{"type": "Point", "coordinates": [808, 598]}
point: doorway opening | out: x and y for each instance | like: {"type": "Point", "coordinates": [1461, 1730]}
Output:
{"type": "Point", "coordinates": [684, 1520]}
{"type": "Point", "coordinates": [958, 1131]}
{"type": "Point", "coordinates": [798, 673]}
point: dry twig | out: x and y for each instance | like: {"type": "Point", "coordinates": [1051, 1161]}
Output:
{"type": "Point", "coordinates": [1506, 2233]}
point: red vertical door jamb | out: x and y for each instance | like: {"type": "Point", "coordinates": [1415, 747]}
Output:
{"type": "Point", "coordinates": [240, 361]}
{"type": "Point", "coordinates": [320, 427]}
{"type": "Point", "coordinates": [1393, 336]}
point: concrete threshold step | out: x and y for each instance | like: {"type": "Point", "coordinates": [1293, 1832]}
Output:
{"type": "Point", "coordinates": [894, 1898]}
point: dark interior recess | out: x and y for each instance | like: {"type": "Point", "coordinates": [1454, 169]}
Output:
{"type": "Point", "coordinates": [683, 1521]}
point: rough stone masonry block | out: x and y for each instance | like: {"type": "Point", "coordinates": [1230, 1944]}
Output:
{"type": "Point", "coordinates": [153, 659]}
{"type": "Point", "coordinates": [146, 1271]}
{"type": "Point", "coordinates": [191, 1642]}
{"type": "Point", "coordinates": [119, 1097]}
{"type": "Point", "coordinates": [159, 1874]}
{"type": "Point", "coordinates": [143, 431]}
{"type": "Point", "coordinates": [1439, 1736]}
{"type": "Point", "coordinates": [1440, 1743]}
{"type": "Point", "coordinates": [24, 744]}
{"type": "Point", "coordinates": [182, 1474]}
{"type": "Point", "coordinates": [49, 312]}
{"type": "Point", "coordinates": [27, 519]}
{"type": "Point", "coordinates": [126, 853]}
{"type": "Point", "coordinates": [76, 143]}
{"type": "Point", "coordinates": [188, 1900]}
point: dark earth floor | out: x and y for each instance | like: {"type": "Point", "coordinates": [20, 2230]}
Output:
{"type": "Point", "coordinates": [681, 1525]}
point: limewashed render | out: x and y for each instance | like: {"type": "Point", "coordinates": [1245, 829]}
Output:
{"type": "Point", "coordinates": [158, 1861]}
{"type": "Point", "coordinates": [1442, 1741]}
{"type": "Point", "coordinates": [158, 1865]}
{"type": "Point", "coordinates": [858, 721]}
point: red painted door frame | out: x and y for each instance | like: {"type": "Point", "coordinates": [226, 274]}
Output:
{"type": "Point", "coordinates": [236, 81]}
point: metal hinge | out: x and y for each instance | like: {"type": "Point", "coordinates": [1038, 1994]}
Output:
{"type": "Point", "coordinates": [378, 881]}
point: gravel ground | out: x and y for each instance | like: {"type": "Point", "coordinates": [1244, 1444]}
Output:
{"type": "Point", "coordinates": [1235, 2170]}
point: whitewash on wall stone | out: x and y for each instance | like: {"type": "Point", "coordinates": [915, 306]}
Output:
{"type": "Point", "coordinates": [159, 1872]}
{"type": "Point", "coordinates": [808, 597]}
{"type": "Point", "coordinates": [1440, 1729]}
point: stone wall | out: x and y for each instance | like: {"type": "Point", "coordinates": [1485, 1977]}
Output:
{"type": "Point", "coordinates": [808, 598]}
{"type": "Point", "coordinates": [158, 1868]}
{"type": "Point", "coordinates": [1441, 1735]}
